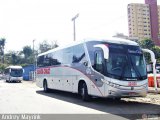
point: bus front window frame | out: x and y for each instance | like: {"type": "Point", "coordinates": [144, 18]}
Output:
{"type": "Point", "coordinates": [129, 70]}
{"type": "Point", "coordinates": [99, 61]}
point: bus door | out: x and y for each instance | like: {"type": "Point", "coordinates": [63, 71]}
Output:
{"type": "Point", "coordinates": [97, 86]}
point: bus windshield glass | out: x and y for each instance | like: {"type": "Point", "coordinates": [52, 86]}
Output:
{"type": "Point", "coordinates": [126, 62]}
{"type": "Point", "coordinates": [16, 72]}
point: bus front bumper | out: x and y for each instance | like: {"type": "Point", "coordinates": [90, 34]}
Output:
{"type": "Point", "coordinates": [15, 79]}
{"type": "Point", "coordinates": [138, 91]}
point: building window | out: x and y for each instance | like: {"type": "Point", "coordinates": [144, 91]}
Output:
{"type": "Point", "coordinates": [129, 11]}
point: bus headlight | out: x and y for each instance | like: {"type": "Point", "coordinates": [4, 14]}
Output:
{"type": "Point", "coordinates": [110, 83]}
{"type": "Point", "coordinates": [117, 86]}
{"type": "Point", "coordinates": [113, 85]}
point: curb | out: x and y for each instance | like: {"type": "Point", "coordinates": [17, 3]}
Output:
{"type": "Point", "coordinates": [153, 91]}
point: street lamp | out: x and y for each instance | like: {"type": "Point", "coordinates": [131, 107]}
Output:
{"type": "Point", "coordinates": [74, 27]}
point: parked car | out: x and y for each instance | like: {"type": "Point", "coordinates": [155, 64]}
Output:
{"type": "Point", "coordinates": [158, 67]}
{"type": "Point", "coordinates": [150, 68]}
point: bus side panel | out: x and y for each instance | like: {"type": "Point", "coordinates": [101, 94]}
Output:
{"type": "Point", "coordinates": [97, 86]}
{"type": "Point", "coordinates": [57, 82]}
{"type": "Point", "coordinates": [39, 81]}
{"type": "Point", "coordinates": [63, 78]}
{"type": "Point", "coordinates": [68, 83]}
{"type": "Point", "coordinates": [67, 79]}
{"type": "Point", "coordinates": [49, 81]}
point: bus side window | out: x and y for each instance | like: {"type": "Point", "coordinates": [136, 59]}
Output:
{"type": "Point", "coordinates": [78, 54]}
{"type": "Point", "coordinates": [98, 61]}
{"type": "Point", "coordinates": [40, 61]}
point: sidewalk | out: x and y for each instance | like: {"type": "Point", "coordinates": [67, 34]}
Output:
{"type": "Point", "coordinates": [152, 90]}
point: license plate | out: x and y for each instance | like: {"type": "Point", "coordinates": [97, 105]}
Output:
{"type": "Point", "coordinates": [132, 94]}
{"type": "Point", "coordinates": [132, 83]}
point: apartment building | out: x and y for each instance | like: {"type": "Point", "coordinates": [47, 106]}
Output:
{"type": "Point", "coordinates": [139, 21]}
{"type": "Point", "coordinates": [159, 18]}
{"type": "Point", "coordinates": [144, 20]}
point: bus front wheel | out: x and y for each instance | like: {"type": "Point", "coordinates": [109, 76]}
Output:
{"type": "Point", "coordinates": [84, 92]}
{"type": "Point", "coordinates": [45, 86]}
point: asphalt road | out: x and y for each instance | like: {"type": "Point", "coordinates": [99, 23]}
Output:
{"type": "Point", "coordinates": [27, 98]}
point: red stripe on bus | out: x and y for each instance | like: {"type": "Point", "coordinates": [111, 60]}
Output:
{"type": "Point", "coordinates": [74, 69]}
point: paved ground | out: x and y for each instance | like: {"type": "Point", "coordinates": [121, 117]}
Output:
{"type": "Point", "coordinates": [26, 97]}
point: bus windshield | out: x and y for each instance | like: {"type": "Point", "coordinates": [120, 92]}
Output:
{"type": "Point", "coordinates": [16, 72]}
{"type": "Point", "coordinates": [126, 63]}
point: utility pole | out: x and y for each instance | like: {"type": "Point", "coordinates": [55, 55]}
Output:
{"type": "Point", "coordinates": [34, 64]}
{"type": "Point", "coordinates": [74, 26]}
{"type": "Point", "coordinates": [33, 46]}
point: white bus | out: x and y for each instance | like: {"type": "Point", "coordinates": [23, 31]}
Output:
{"type": "Point", "coordinates": [13, 73]}
{"type": "Point", "coordinates": [113, 68]}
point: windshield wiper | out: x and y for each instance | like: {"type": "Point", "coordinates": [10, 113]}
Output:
{"type": "Point", "coordinates": [137, 72]}
{"type": "Point", "coordinates": [123, 71]}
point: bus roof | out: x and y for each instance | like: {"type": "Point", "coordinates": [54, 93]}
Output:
{"type": "Point", "coordinates": [14, 67]}
{"type": "Point", "coordinates": [110, 40]}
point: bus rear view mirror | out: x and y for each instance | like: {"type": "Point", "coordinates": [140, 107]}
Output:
{"type": "Point", "coordinates": [105, 50]}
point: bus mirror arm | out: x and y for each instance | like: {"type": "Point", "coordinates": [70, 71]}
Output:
{"type": "Point", "coordinates": [105, 50]}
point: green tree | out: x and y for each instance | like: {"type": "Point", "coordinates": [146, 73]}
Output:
{"type": "Point", "coordinates": [156, 50]}
{"type": "Point", "coordinates": [2, 45]}
{"type": "Point", "coordinates": [14, 58]}
{"type": "Point", "coordinates": [54, 44]}
{"type": "Point", "coordinates": [45, 46]}
{"type": "Point", "coordinates": [27, 51]}
{"type": "Point", "coordinates": [147, 43]}
{"type": "Point", "coordinates": [8, 59]}
{"type": "Point", "coordinates": [2, 67]}
{"type": "Point", "coordinates": [23, 57]}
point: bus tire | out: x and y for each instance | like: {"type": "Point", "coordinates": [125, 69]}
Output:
{"type": "Point", "coordinates": [84, 92]}
{"type": "Point", "coordinates": [117, 99]}
{"type": "Point", "coordinates": [45, 86]}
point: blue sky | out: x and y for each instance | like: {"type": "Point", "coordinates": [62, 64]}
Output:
{"type": "Point", "coordinates": [21, 21]}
